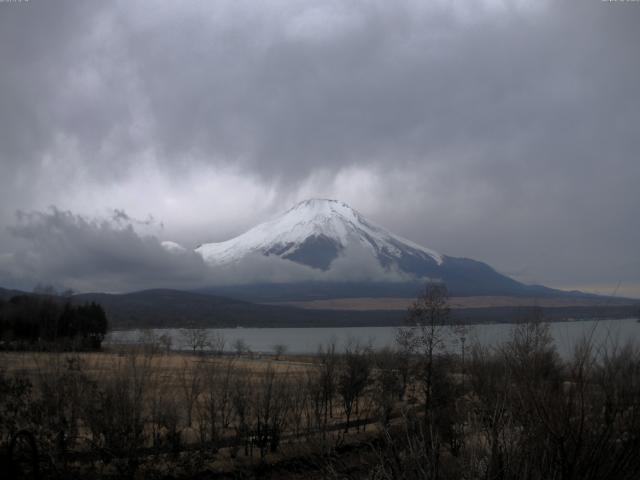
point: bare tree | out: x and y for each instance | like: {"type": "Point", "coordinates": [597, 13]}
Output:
{"type": "Point", "coordinates": [299, 401]}
{"type": "Point", "coordinates": [115, 413]}
{"type": "Point", "coordinates": [388, 382]}
{"type": "Point", "coordinates": [165, 342]}
{"type": "Point", "coordinates": [430, 314]}
{"type": "Point", "coordinates": [149, 342]}
{"type": "Point", "coordinates": [406, 340]}
{"type": "Point", "coordinates": [240, 346]}
{"type": "Point", "coordinates": [279, 349]}
{"type": "Point", "coordinates": [190, 380]}
{"type": "Point", "coordinates": [216, 408]}
{"type": "Point", "coordinates": [243, 409]}
{"type": "Point", "coordinates": [197, 339]}
{"type": "Point", "coordinates": [164, 417]}
{"type": "Point", "coordinates": [315, 412]}
{"type": "Point", "coordinates": [218, 342]}
{"type": "Point", "coordinates": [353, 379]}
{"type": "Point", "coordinates": [271, 407]}
{"type": "Point", "coordinates": [328, 377]}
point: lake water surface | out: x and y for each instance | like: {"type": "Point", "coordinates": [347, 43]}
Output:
{"type": "Point", "coordinates": [307, 340]}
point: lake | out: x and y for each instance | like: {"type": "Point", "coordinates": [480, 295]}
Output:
{"type": "Point", "coordinates": [307, 340]}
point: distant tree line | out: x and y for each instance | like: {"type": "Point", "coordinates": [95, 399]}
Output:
{"type": "Point", "coordinates": [47, 320]}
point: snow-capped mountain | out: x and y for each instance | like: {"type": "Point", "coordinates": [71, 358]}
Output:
{"type": "Point", "coordinates": [325, 235]}
{"type": "Point", "coordinates": [315, 233]}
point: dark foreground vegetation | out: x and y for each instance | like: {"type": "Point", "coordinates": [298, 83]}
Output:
{"type": "Point", "coordinates": [416, 411]}
{"type": "Point", "coordinates": [45, 322]}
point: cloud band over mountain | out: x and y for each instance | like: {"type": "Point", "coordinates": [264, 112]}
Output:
{"type": "Point", "coordinates": [502, 130]}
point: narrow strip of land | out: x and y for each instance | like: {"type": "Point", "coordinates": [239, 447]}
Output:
{"type": "Point", "coordinates": [394, 303]}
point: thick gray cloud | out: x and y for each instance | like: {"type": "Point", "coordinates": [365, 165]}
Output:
{"type": "Point", "coordinates": [67, 250]}
{"type": "Point", "coordinates": [506, 131]}
{"type": "Point", "coordinates": [111, 254]}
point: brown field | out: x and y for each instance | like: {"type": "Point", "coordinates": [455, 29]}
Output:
{"type": "Point", "coordinates": [368, 303]}
{"type": "Point", "coordinates": [167, 384]}
{"type": "Point", "coordinates": [99, 363]}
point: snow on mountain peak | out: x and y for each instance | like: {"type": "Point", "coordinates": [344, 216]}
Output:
{"type": "Point", "coordinates": [315, 232]}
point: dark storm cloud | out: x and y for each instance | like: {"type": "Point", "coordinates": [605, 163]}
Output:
{"type": "Point", "coordinates": [287, 88]}
{"type": "Point", "coordinates": [380, 83]}
{"type": "Point", "coordinates": [66, 250]}
{"type": "Point", "coordinates": [514, 127]}
{"type": "Point", "coordinates": [63, 80]}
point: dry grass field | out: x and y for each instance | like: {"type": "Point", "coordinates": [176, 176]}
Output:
{"type": "Point", "coordinates": [168, 365]}
{"type": "Point", "coordinates": [222, 412]}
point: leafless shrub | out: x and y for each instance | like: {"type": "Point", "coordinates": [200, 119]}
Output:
{"type": "Point", "coordinates": [406, 341]}
{"type": "Point", "coordinates": [62, 388]}
{"type": "Point", "coordinates": [152, 344]}
{"type": "Point", "coordinates": [216, 408]}
{"type": "Point", "coordinates": [388, 382]}
{"type": "Point", "coordinates": [271, 408]}
{"type": "Point", "coordinates": [243, 405]}
{"type": "Point", "coordinates": [197, 339]}
{"type": "Point", "coordinates": [164, 420]}
{"type": "Point", "coordinates": [16, 396]}
{"type": "Point", "coordinates": [404, 452]}
{"type": "Point", "coordinates": [190, 379]}
{"type": "Point", "coordinates": [218, 343]}
{"type": "Point", "coordinates": [429, 314]}
{"type": "Point", "coordinates": [328, 380]}
{"type": "Point", "coordinates": [353, 379]}
{"type": "Point", "coordinates": [240, 346]}
{"type": "Point", "coordinates": [114, 412]}
{"type": "Point", "coordinates": [315, 406]}
{"type": "Point", "coordinates": [299, 402]}
{"type": "Point", "coordinates": [279, 350]}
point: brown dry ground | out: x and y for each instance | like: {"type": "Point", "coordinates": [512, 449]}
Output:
{"type": "Point", "coordinates": [96, 364]}
{"type": "Point", "coordinates": [369, 303]}
{"type": "Point", "coordinates": [295, 459]}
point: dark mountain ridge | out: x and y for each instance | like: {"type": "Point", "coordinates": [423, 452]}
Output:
{"type": "Point", "coordinates": [179, 309]}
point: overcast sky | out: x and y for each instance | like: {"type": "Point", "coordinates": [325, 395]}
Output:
{"type": "Point", "coordinates": [504, 131]}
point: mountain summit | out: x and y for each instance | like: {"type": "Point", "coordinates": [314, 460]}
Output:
{"type": "Point", "coordinates": [333, 243]}
{"type": "Point", "coordinates": [315, 233]}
